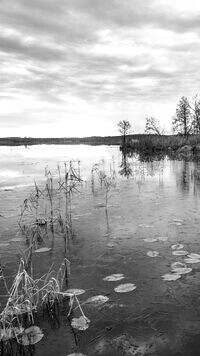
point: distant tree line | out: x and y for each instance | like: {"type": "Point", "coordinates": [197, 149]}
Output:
{"type": "Point", "coordinates": [153, 127]}
{"type": "Point", "coordinates": [185, 122]}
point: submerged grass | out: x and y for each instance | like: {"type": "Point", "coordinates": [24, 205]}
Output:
{"type": "Point", "coordinates": [106, 180]}
{"type": "Point", "coordinates": [47, 210]}
{"type": "Point", "coordinates": [25, 296]}
{"type": "Point", "coordinates": [45, 214]}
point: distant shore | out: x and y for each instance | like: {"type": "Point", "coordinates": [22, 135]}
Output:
{"type": "Point", "coordinates": [92, 140]}
{"type": "Point", "coordinates": [29, 141]}
{"type": "Point", "coordinates": [171, 145]}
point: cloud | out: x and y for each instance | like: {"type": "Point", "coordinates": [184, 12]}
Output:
{"type": "Point", "coordinates": [96, 55]}
{"type": "Point", "coordinates": [30, 50]}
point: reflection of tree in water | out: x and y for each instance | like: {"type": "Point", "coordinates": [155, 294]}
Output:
{"type": "Point", "coordinates": [154, 167]}
{"type": "Point", "coordinates": [184, 181]}
{"type": "Point", "coordinates": [195, 177]}
{"type": "Point", "coordinates": [152, 164]}
{"type": "Point", "coordinates": [141, 166]}
{"type": "Point", "coordinates": [188, 176]}
{"type": "Point", "coordinates": [125, 166]}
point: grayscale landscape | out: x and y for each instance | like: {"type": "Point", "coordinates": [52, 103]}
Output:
{"type": "Point", "coordinates": [99, 178]}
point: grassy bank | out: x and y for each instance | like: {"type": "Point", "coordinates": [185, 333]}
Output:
{"type": "Point", "coordinates": [167, 144]}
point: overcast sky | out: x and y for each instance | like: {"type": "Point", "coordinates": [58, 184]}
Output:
{"type": "Point", "coordinates": [77, 67]}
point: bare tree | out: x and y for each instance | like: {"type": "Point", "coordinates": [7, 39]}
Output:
{"type": "Point", "coordinates": [152, 126]}
{"type": "Point", "coordinates": [182, 121]}
{"type": "Point", "coordinates": [195, 107]}
{"type": "Point", "coordinates": [124, 128]}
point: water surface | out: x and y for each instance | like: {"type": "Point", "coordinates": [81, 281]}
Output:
{"type": "Point", "coordinates": [151, 200]}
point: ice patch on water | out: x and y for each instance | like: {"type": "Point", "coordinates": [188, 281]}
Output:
{"type": "Point", "coordinates": [31, 336]}
{"type": "Point", "coordinates": [180, 268]}
{"type": "Point", "coordinates": [194, 255]}
{"type": "Point", "coordinates": [192, 260]}
{"type": "Point", "coordinates": [163, 238]}
{"type": "Point", "coordinates": [81, 323]}
{"type": "Point", "coordinates": [179, 253]}
{"type": "Point", "coordinates": [97, 300]}
{"type": "Point", "coordinates": [152, 253]}
{"type": "Point", "coordinates": [114, 277]}
{"type": "Point", "coordinates": [151, 239]}
{"type": "Point", "coordinates": [177, 247]}
{"type": "Point", "coordinates": [42, 249]}
{"type": "Point", "coordinates": [73, 291]}
{"type": "Point", "coordinates": [178, 220]}
{"type": "Point", "coordinates": [171, 277]}
{"type": "Point", "coordinates": [124, 288]}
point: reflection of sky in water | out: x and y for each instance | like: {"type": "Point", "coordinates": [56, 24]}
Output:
{"type": "Point", "coordinates": [17, 163]}
{"type": "Point", "coordinates": [19, 166]}
{"type": "Point", "coordinates": [57, 151]}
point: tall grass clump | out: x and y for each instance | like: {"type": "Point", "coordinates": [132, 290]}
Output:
{"type": "Point", "coordinates": [68, 186]}
{"type": "Point", "coordinates": [24, 298]}
{"type": "Point", "coordinates": [48, 209]}
{"type": "Point", "coordinates": [106, 180]}
{"type": "Point", "coordinates": [162, 144]}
